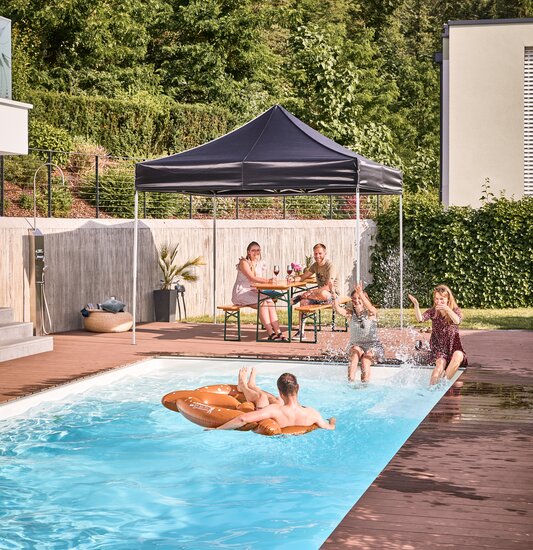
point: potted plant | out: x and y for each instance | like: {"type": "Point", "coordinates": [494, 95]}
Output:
{"type": "Point", "coordinates": [165, 298]}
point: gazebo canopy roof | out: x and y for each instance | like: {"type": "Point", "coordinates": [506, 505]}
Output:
{"type": "Point", "coordinates": [275, 153]}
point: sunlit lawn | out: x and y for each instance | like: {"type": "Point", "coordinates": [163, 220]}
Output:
{"type": "Point", "coordinates": [505, 319]}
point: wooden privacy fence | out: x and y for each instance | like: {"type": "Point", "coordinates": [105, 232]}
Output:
{"type": "Point", "coordinates": [90, 260]}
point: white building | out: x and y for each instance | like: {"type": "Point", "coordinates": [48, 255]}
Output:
{"type": "Point", "coordinates": [487, 109]}
{"type": "Point", "coordinates": [13, 114]}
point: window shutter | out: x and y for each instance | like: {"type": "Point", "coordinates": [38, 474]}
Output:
{"type": "Point", "coordinates": [528, 121]}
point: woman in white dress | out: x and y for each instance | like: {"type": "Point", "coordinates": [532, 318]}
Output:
{"type": "Point", "coordinates": [249, 270]}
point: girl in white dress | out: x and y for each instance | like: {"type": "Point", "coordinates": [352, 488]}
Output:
{"type": "Point", "coordinates": [364, 345]}
{"type": "Point", "coordinates": [249, 270]}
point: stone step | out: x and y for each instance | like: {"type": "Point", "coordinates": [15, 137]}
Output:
{"type": "Point", "coordinates": [15, 331]}
{"type": "Point", "coordinates": [13, 349]}
{"type": "Point", "coordinates": [6, 315]}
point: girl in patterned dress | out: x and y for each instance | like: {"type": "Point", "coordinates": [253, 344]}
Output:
{"type": "Point", "coordinates": [364, 344]}
{"type": "Point", "coordinates": [445, 343]}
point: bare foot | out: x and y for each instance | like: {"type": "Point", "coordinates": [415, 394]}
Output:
{"type": "Point", "coordinates": [251, 380]}
{"type": "Point", "coordinates": [241, 383]}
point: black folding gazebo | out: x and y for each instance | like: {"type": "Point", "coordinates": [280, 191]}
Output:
{"type": "Point", "coordinates": [273, 154]}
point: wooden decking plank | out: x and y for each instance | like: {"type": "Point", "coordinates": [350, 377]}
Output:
{"type": "Point", "coordinates": [450, 512]}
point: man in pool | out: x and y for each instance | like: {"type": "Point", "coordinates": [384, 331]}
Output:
{"type": "Point", "coordinates": [286, 412]}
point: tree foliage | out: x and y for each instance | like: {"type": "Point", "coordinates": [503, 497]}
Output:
{"type": "Point", "coordinates": [361, 72]}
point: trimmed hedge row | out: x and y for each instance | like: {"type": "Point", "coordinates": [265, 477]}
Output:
{"type": "Point", "coordinates": [135, 127]}
{"type": "Point", "coordinates": [484, 255]}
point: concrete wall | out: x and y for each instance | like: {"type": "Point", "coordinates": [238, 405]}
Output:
{"type": "Point", "coordinates": [91, 260]}
{"type": "Point", "coordinates": [484, 90]}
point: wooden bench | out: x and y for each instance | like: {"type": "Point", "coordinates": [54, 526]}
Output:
{"type": "Point", "coordinates": [314, 311]}
{"type": "Point", "coordinates": [232, 312]}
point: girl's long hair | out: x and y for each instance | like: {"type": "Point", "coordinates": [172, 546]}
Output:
{"type": "Point", "coordinates": [452, 304]}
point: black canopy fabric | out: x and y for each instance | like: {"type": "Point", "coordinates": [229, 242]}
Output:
{"type": "Point", "coordinates": [275, 153]}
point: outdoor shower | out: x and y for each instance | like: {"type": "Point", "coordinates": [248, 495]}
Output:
{"type": "Point", "coordinates": [39, 312]}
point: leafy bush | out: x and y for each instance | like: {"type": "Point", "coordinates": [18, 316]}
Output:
{"type": "Point", "coordinates": [116, 191]}
{"type": "Point", "coordinates": [308, 207]}
{"type": "Point", "coordinates": [21, 170]}
{"type": "Point", "coordinates": [42, 135]}
{"type": "Point", "coordinates": [25, 201]}
{"type": "Point", "coordinates": [139, 126]}
{"type": "Point", "coordinates": [83, 160]}
{"type": "Point", "coordinates": [164, 205]}
{"type": "Point", "coordinates": [483, 254]}
{"type": "Point", "coordinates": [61, 201]}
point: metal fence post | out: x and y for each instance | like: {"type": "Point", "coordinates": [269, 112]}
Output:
{"type": "Point", "coordinates": [1, 185]}
{"type": "Point", "coordinates": [236, 208]}
{"type": "Point", "coordinates": [49, 184]}
{"type": "Point", "coordinates": [190, 207]}
{"type": "Point", "coordinates": [97, 185]}
{"type": "Point", "coordinates": [331, 207]}
{"type": "Point", "coordinates": [144, 204]}
{"type": "Point", "coordinates": [284, 208]}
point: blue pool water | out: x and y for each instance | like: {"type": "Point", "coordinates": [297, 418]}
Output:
{"type": "Point", "coordinates": [112, 468]}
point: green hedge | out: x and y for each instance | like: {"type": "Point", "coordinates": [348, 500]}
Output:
{"type": "Point", "coordinates": [484, 255]}
{"type": "Point", "coordinates": [139, 127]}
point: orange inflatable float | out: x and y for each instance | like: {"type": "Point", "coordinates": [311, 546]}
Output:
{"type": "Point", "coordinates": [212, 406]}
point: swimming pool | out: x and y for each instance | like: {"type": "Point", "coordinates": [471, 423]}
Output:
{"type": "Point", "coordinates": [102, 464]}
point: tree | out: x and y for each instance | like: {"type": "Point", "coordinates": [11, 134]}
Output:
{"type": "Point", "coordinates": [338, 85]}
{"type": "Point", "coordinates": [214, 51]}
{"type": "Point", "coordinates": [85, 46]}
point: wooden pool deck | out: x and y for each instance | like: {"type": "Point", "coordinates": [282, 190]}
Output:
{"type": "Point", "coordinates": [462, 480]}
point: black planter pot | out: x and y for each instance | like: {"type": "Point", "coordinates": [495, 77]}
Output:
{"type": "Point", "coordinates": [165, 305]}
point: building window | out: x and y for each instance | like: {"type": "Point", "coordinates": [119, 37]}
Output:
{"type": "Point", "coordinates": [528, 121]}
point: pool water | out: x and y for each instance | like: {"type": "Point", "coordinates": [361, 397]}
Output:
{"type": "Point", "coordinates": [112, 468]}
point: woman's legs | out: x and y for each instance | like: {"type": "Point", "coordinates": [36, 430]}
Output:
{"type": "Point", "coordinates": [454, 364]}
{"type": "Point", "coordinates": [268, 308]}
{"type": "Point", "coordinates": [355, 354]}
{"type": "Point", "coordinates": [366, 363]}
{"type": "Point", "coordinates": [438, 371]}
{"type": "Point", "coordinates": [266, 318]}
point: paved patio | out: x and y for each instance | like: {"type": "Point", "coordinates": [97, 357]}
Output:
{"type": "Point", "coordinates": [462, 480]}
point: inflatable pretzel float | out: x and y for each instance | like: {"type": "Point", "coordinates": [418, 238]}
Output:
{"type": "Point", "coordinates": [213, 406]}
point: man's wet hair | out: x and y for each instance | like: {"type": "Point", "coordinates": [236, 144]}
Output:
{"type": "Point", "coordinates": [287, 384]}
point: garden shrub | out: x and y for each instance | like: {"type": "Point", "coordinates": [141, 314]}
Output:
{"type": "Point", "coordinates": [163, 205]}
{"type": "Point", "coordinates": [61, 201]}
{"type": "Point", "coordinates": [42, 135]}
{"type": "Point", "coordinates": [83, 159]}
{"type": "Point", "coordinates": [138, 127]}
{"type": "Point", "coordinates": [484, 255]}
{"type": "Point", "coordinates": [116, 191]}
{"type": "Point", "coordinates": [21, 170]}
{"type": "Point", "coordinates": [308, 207]}
{"type": "Point", "coordinates": [25, 201]}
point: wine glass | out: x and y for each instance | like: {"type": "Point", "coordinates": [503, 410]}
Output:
{"type": "Point", "coordinates": [289, 271]}
{"type": "Point", "coordinates": [276, 271]}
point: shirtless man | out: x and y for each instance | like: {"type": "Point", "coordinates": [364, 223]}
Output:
{"type": "Point", "coordinates": [287, 413]}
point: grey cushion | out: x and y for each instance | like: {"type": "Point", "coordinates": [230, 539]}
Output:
{"type": "Point", "coordinates": [112, 305]}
